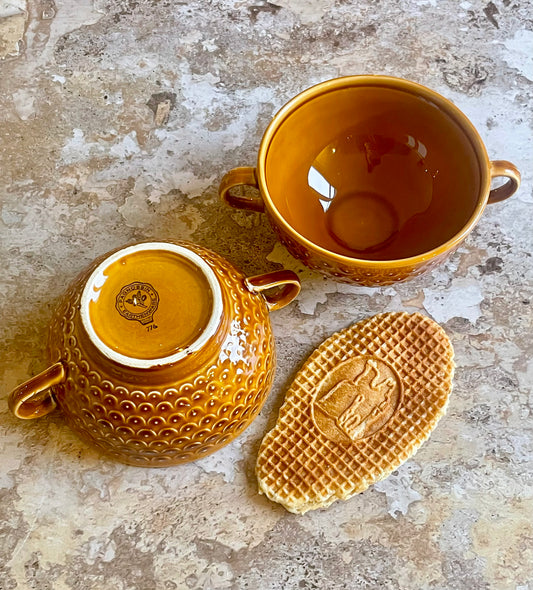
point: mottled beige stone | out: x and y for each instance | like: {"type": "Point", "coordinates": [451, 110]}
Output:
{"type": "Point", "coordinates": [13, 18]}
{"type": "Point", "coordinates": [118, 119]}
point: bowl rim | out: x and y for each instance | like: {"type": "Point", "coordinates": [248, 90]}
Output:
{"type": "Point", "coordinates": [97, 279]}
{"type": "Point", "coordinates": [389, 82]}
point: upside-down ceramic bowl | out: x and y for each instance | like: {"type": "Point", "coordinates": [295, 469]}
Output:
{"type": "Point", "coordinates": [160, 353]}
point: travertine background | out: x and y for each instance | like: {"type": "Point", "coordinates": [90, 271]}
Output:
{"type": "Point", "coordinates": [90, 161]}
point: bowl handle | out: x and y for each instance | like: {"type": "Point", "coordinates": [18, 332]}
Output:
{"type": "Point", "coordinates": [33, 399]}
{"type": "Point", "coordinates": [288, 282]}
{"type": "Point", "coordinates": [504, 168]}
{"type": "Point", "coordinates": [244, 176]}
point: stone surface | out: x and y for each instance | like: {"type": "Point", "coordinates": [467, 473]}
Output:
{"type": "Point", "coordinates": [118, 119]}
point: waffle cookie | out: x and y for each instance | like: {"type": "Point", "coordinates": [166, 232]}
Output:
{"type": "Point", "coordinates": [361, 405]}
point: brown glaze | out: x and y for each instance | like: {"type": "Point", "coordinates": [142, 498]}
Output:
{"type": "Point", "coordinates": [174, 412]}
{"type": "Point", "coordinates": [371, 179]}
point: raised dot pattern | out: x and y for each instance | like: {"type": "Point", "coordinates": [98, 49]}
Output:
{"type": "Point", "coordinates": [370, 276]}
{"type": "Point", "coordinates": [161, 426]}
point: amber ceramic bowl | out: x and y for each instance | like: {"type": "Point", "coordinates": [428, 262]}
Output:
{"type": "Point", "coordinates": [160, 352]}
{"type": "Point", "coordinates": [370, 179]}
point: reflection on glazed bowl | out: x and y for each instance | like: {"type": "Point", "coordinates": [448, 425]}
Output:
{"type": "Point", "coordinates": [161, 353]}
{"type": "Point", "coordinates": [371, 179]}
{"type": "Point", "coordinates": [352, 179]}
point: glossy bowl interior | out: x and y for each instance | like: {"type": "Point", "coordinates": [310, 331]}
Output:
{"type": "Point", "coordinates": [438, 207]}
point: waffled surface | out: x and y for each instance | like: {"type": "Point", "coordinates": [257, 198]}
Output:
{"type": "Point", "coordinates": [305, 464]}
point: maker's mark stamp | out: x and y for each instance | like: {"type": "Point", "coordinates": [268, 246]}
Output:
{"type": "Point", "coordinates": [137, 301]}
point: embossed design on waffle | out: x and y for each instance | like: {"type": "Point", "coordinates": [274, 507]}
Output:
{"type": "Point", "coordinates": [301, 468]}
{"type": "Point", "coordinates": [357, 398]}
